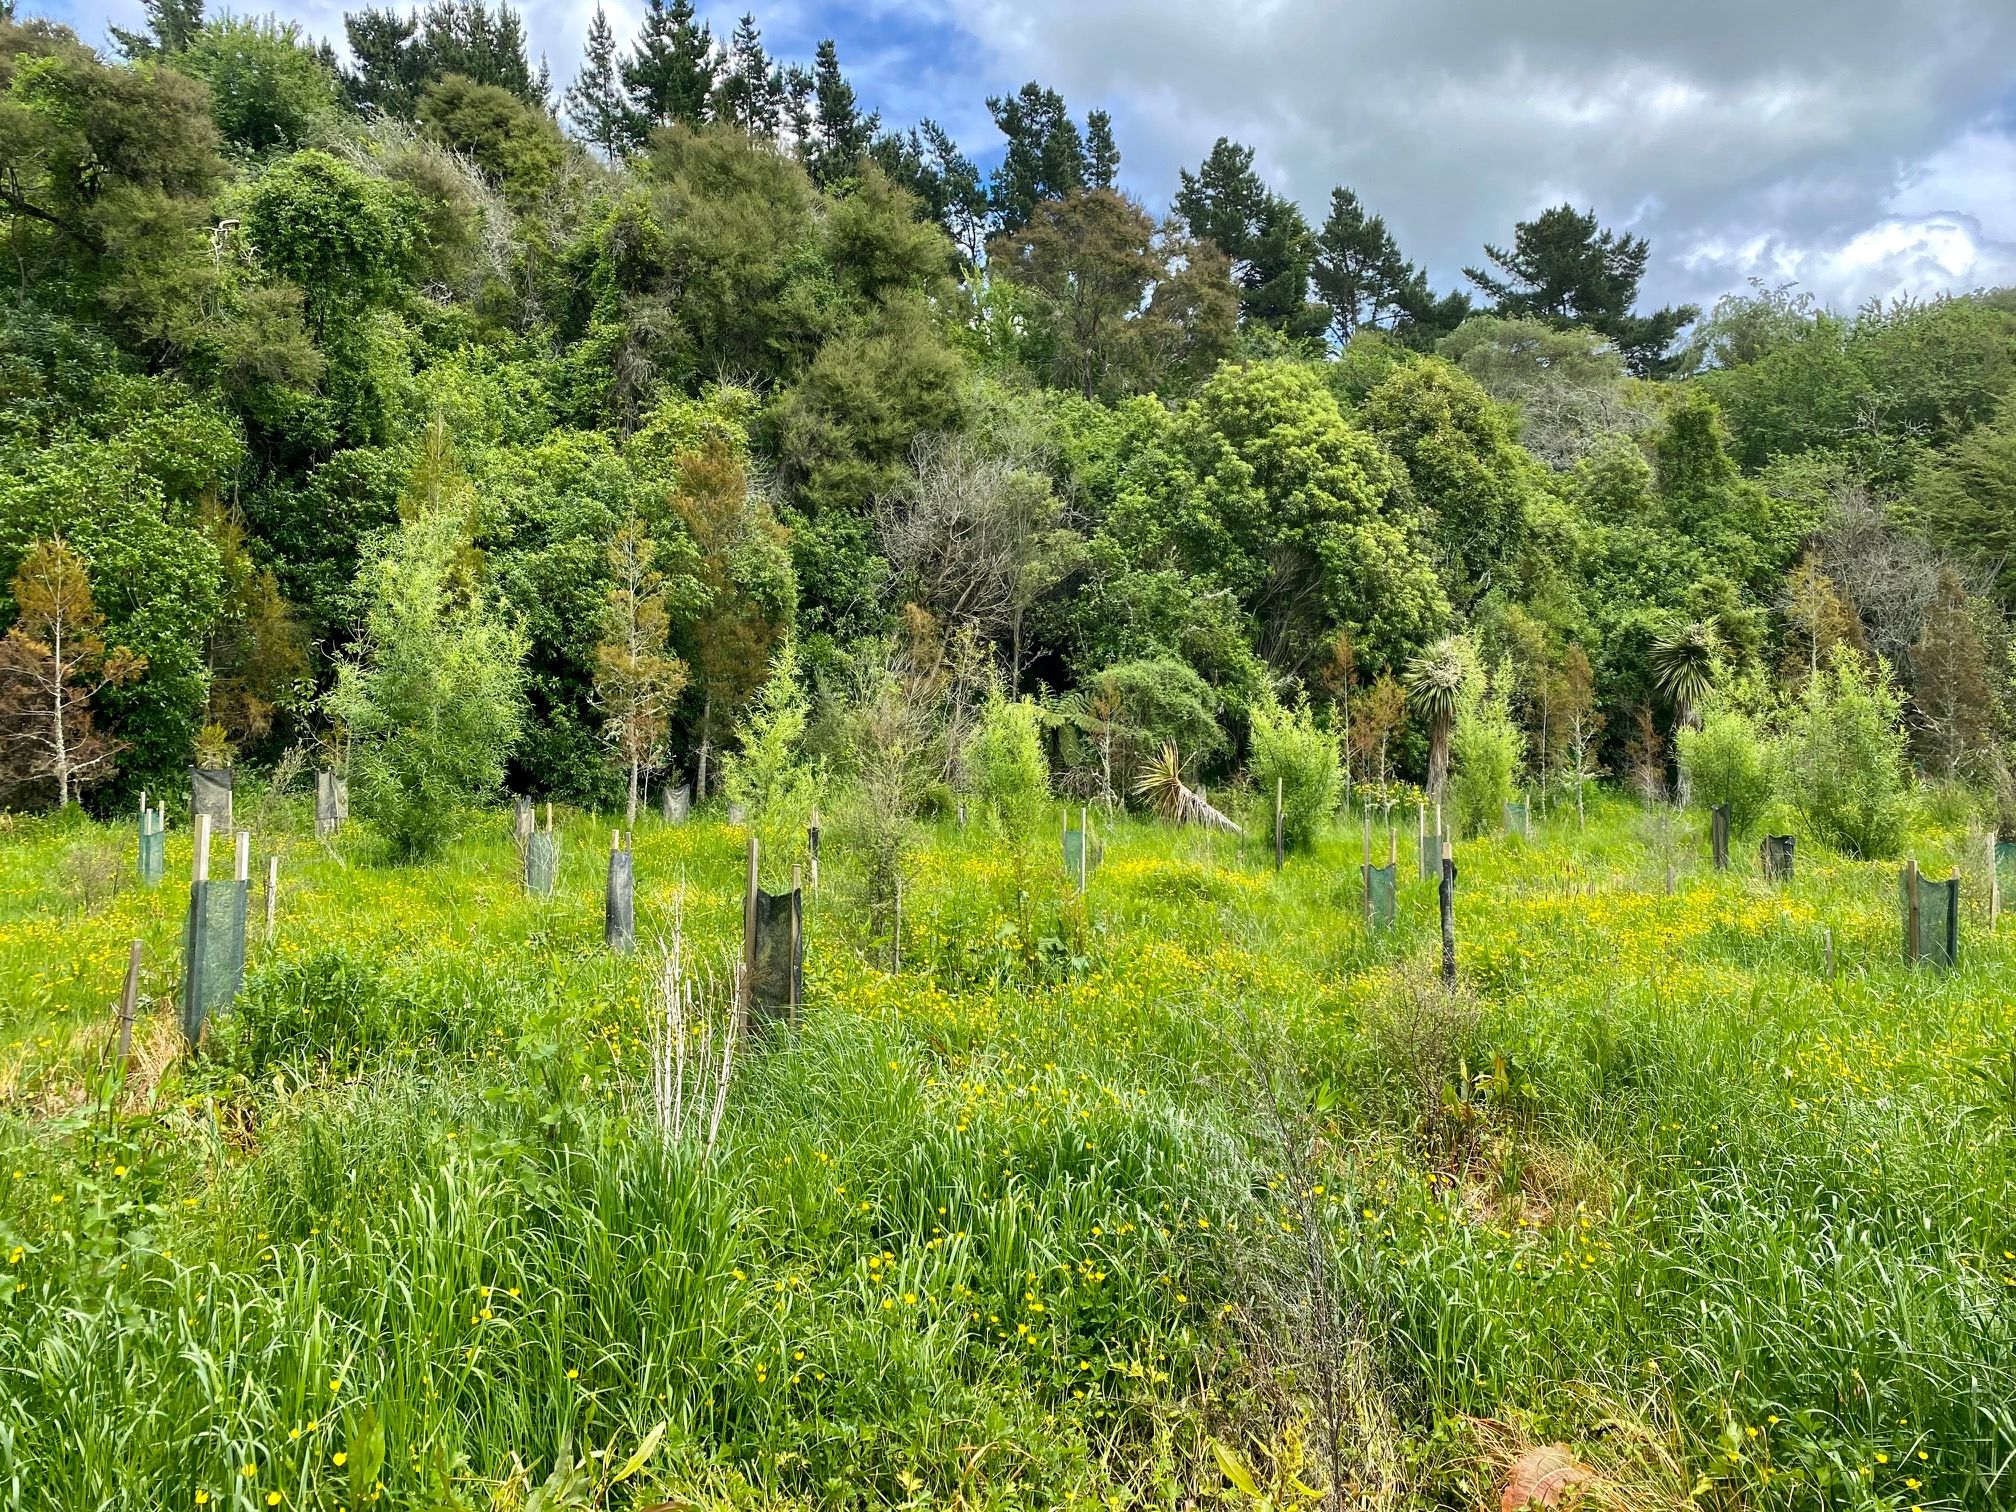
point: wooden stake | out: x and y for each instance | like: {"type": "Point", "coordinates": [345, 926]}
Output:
{"type": "Point", "coordinates": [1446, 896]}
{"type": "Point", "coordinates": [199, 864]}
{"type": "Point", "coordinates": [1280, 832]}
{"type": "Point", "coordinates": [791, 969]}
{"type": "Point", "coordinates": [272, 892]}
{"type": "Point", "coordinates": [749, 937]}
{"type": "Point", "coordinates": [1911, 910]}
{"type": "Point", "coordinates": [813, 839]}
{"type": "Point", "coordinates": [1368, 869]}
{"type": "Point", "coordinates": [1084, 849]}
{"type": "Point", "coordinates": [549, 816]}
{"type": "Point", "coordinates": [1994, 884]}
{"type": "Point", "coordinates": [129, 1000]}
{"type": "Point", "coordinates": [243, 870]}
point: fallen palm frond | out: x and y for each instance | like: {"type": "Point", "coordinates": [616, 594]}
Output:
{"type": "Point", "coordinates": [1163, 786]}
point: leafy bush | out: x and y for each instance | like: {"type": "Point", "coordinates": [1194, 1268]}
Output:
{"type": "Point", "coordinates": [1726, 760]}
{"type": "Point", "coordinates": [1291, 749]}
{"type": "Point", "coordinates": [1844, 757]}
{"type": "Point", "coordinates": [1118, 722]}
{"type": "Point", "coordinates": [433, 701]}
{"type": "Point", "coordinates": [1005, 761]}
{"type": "Point", "coordinates": [1488, 749]}
{"type": "Point", "coordinates": [769, 776]}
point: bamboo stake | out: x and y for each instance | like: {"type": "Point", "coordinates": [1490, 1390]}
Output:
{"type": "Point", "coordinates": [748, 983]}
{"type": "Point", "coordinates": [272, 892]}
{"type": "Point", "coordinates": [129, 1001]}
{"type": "Point", "coordinates": [199, 863]}
{"type": "Point", "coordinates": [1280, 852]}
{"type": "Point", "coordinates": [791, 970]}
{"type": "Point", "coordinates": [1911, 910]}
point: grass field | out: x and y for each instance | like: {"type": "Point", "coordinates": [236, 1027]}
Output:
{"type": "Point", "coordinates": [1146, 1199]}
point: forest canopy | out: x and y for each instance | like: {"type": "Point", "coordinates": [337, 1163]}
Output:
{"type": "Point", "coordinates": [703, 344]}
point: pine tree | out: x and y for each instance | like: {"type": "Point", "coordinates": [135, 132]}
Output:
{"type": "Point", "coordinates": [841, 135]}
{"type": "Point", "coordinates": [671, 75]}
{"type": "Point", "coordinates": [1358, 272]}
{"type": "Point", "coordinates": [1563, 268]}
{"type": "Point", "coordinates": [753, 92]}
{"type": "Point", "coordinates": [595, 102]}
{"type": "Point", "coordinates": [52, 664]}
{"type": "Point", "coordinates": [1102, 153]}
{"type": "Point", "coordinates": [928, 163]}
{"type": "Point", "coordinates": [1045, 159]}
{"type": "Point", "coordinates": [171, 26]}
{"type": "Point", "coordinates": [1225, 203]}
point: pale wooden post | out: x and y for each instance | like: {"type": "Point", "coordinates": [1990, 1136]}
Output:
{"type": "Point", "coordinates": [243, 869]}
{"type": "Point", "coordinates": [199, 864]}
{"type": "Point", "coordinates": [272, 891]}
{"type": "Point", "coordinates": [1084, 848]}
{"type": "Point", "coordinates": [1280, 829]}
{"type": "Point", "coordinates": [791, 969]}
{"type": "Point", "coordinates": [1368, 869]}
{"type": "Point", "coordinates": [129, 1000]}
{"type": "Point", "coordinates": [1911, 910]}
{"type": "Point", "coordinates": [1994, 884]}
{"type": "Point", "coordinates": [749, 936]}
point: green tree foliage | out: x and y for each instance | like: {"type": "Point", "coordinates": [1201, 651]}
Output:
{"type": "Point", "coordinates": [1564, 269]}
{"type": "Point", "coordinates": [1264, 234]}
{"type": "Point", "coordinates": [1267, 491]}
{"type": "Point", "coordinates": [518, 148]}
{"type": "Point", "coordinates": [106, 182]}
{"type": "Point", "coordinates": [1841, 763]}
{"type": "Point", "coordinates": [768, 773]}
{"type": "Point", "coordinates": [1005, 765]}
{"type": "Point", "coordinates": [1125, 308]}
{"type": "Point", "coordinates": [431, 698]}
{"type": "Point", "coordinates": [397, 56]}
{"type": "Point", "coordinates": [1726, 759]}
{"type": "Point", "coordinates": [1116, 723]}
{"type": "Point", "coordinates": [1045, 158]}
{"type": "Point", "coordinates": [171, 26]}
{"type": "Point", "coordinates": [1358, 271]}
{"type": "Point", "coordinates": [670, 75]}
{"type": "Point", "coordinates": [1470, 481]}
{"type": "Point", "coordinates": [841, 133]}
{"type": "Point", "coordinates": [1965, 499]}
{"type": "Point", "coordinates": [270, 90]}
{"type": "Point", "coordinates": [751, 93]}
{"type": "Point", "coordinates": [943, 180]}
{"type": "Point", "coordinates": [596, 105]}
{"type": "Point", "coordinates": [345, 239]}
{"type": "Point", "coordinates": [1292, 751]}
{"type": "Point", "coordinates": [1488, 752]}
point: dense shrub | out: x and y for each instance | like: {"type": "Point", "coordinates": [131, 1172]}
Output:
{"type": "Point", "coordinates": [1843, 766]}
{"type": "Point", "coordinates": [1005, 761]}
{"type": "Point", "coordinates": [1488, 749]}
{"type": "Point", "coordinates": [1290, 749]}
{"type": "Point", "coordinates": [1727, 761]}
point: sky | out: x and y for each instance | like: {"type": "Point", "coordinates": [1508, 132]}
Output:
{"type": "Point", "coordinates": [1855, 148]}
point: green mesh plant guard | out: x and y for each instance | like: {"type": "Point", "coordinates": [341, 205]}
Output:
{"type": "Point", "coordinates": [619, 914]}
{"type": "Point", "coordinates": [1431, 856]}
{"type": "Point", "coordinates": [1074, 847]}
{"type": "Point", "coordinates": [213, 952]}
{"type": "Point", "coordinates": [675, 802]}
{"type": "Point", "coordinates": [542, 863]}
{"type": "Point", "coordinates": [210, 793]}
{"type": "Point", "coordinates": [153, 847]}
{"type": "Point", "coordinates": [2005, 859]}
{"type": "Point", "coordinates": [777, 974]}
{"type": "Point", "coordinates": [1519, 820]}
{"type": "Point", "coordinates": [1937, 941]}
{"type": "Point", "coordinates": [1774, 856]}
{"type": "Point", "coordinates": [1382, 889]}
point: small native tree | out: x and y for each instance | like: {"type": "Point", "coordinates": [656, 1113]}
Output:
{"type": "Point", "coordinates": [52, 663]}
{"type": "Point", "coordinates": [1488, 748]}
{"type": "Point", "coordinates": [432, 697]}
{"type": "Point", "coordinates": [1952, 684]}
{"type": "Point", "coordinates": [1582, 725]}
{"type": "Point", "coordinates": [1378, 712]}
{"type": "Point", "coordinates": [637, 680]}
{"type": "Point", "coordinates": [1817, 613]}
{"type": "Point", "coordinates": [769, 775]}
{"type": "Point", "coordinates": [1683, 672]}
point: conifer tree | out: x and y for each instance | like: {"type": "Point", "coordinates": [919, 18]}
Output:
{"type": "Point", "coordinates": [595, 101]}
{"type": "Point", "coordinates": [670, 76]}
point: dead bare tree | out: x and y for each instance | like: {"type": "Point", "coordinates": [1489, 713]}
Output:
{"type": "Point", "coordinates": [978, 534]}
